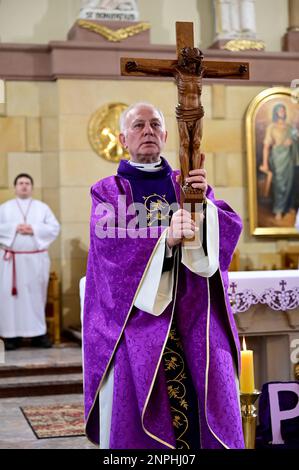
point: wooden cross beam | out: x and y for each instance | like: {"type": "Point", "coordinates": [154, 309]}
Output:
{"type": "Point", "coordinates": [185, 39]}
{"type": "Point", "coordinates": [188, 70]}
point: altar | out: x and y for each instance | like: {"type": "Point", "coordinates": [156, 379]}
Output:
{"type": "Point", "coordinates": [266, 309]}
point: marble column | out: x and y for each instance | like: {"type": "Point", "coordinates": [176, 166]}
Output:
{"type": "Point", "coordinates": [291, 38]}
{"type": "Point", "coordinates": [293, 15]}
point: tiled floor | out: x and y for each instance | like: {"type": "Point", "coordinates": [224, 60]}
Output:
{"type": "Point", "coordinates": [15, 432]}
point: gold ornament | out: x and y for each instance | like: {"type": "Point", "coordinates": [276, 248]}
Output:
{"type": "Point", "coordinates": [244, 45]}
{"type": "Point", "coordinates": [157, 208]}
{"type": "Point", "coordinates": [103, 131]}
{"type": "Point", "coordinates": [112, 35]}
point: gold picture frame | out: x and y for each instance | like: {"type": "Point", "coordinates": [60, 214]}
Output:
{"type": "Point", "coordinates": [272, 140]}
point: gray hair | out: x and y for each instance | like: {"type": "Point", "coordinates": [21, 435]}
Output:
{"type": "Point", "coordinates": [124, 114]}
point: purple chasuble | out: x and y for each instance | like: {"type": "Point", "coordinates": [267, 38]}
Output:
{"type": "Point", "coordinates": [117, 333]}
{"type": "Point", "coordinates": [155, 190]}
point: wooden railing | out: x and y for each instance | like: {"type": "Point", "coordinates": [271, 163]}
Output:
{"type": "Point", "coordinates": [53, 317]}
{"type": "Point", "coordinates": [285, 259]}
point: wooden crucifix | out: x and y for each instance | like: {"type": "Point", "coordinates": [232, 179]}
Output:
{"type": "Point", "coordinates": [188, 71]}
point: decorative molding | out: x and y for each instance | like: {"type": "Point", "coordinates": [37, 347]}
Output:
{"type": "Point", "coordinates": [278, 299]}
{"type": "Point", "coordinates": [92, 60]}
{"type": "Point", "coordinates": [290, 41]}
{"type": "Point", "coordinates": [244, 45]}
{"type": "Point", "coordinates": [114, 35]}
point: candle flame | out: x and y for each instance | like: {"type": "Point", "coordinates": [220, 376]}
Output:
{"type": "Point", "coordinates": [244, 344]}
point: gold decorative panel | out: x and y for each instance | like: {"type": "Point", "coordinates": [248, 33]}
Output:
{"type": "Point", "coordinates": [111, 35]}
{"type": "Point", "coordinates": [103, 131]}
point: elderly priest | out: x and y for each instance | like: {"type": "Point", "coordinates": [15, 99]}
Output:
{"type": "Point", "coordinates": [161, 350]}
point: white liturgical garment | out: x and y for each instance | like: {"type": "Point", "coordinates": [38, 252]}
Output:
{"type": "Point", "coordinates": [24, 314]}
{"type": "Point", "coordinates": [156, 290]}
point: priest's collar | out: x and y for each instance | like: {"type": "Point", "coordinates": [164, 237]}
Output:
{"type": "Point", "coordinates": [135, 170]}
{"type": "Point", "coordinates": [156, 166]}
{"type": "Point", "coordinates": [24, 200]}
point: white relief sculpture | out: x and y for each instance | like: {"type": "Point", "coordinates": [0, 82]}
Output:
{"type": "Point", "coordinates": [235, 19]}
{"type": "Point", "coordinates": [247, 16]}
{"type": "Point", "coordinates": [119, 10]}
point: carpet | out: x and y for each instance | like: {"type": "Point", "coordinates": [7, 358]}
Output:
{"type": "Point", "coordinates": [55, 420]}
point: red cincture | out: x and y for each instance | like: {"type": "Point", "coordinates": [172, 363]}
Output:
{"type": "Point", "coordinates": [11, 254]}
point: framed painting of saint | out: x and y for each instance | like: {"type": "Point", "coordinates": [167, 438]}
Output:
{"type": "Point", "coordinates": [272, 135]}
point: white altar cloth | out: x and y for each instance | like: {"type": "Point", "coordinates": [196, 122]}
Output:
{"type": "Point", "coordinates": [278, 289]}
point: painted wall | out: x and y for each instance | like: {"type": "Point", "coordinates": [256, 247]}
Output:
{"type": "Point", "coordinates": [272, 22]}
{"type": "Point", "coordinates": [43, 131]}
{"type": "Point", "coordinates": [43, 126]}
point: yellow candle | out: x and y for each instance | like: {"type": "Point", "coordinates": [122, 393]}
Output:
{"type": "Point", "coordinates": [247, 370]}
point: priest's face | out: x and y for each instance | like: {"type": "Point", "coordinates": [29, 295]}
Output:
{"type": "Point", "coordinates": [23, 188]}
{"type": "Point", "coordinates": [144, 135]}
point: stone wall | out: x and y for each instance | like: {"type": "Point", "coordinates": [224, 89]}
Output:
{"type": "Point", "coordinates": [43, 131]}
{"type": "Point", "coordinates": [41, 21]}
{"type": "Point", "coordinates": [29, 142]}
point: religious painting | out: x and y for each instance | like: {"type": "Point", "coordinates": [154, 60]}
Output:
{"type": "Point", "coordinates": [272, 132]}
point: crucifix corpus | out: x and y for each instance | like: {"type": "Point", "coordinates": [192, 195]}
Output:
{"type": "Point", "coordinates": [188, 71]}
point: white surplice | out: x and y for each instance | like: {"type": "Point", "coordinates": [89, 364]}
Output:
{"type": "Point", "coordinates": [24, 314]}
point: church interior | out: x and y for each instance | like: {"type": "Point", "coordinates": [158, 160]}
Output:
{"type": "Point", "coordinates": [61, 96]}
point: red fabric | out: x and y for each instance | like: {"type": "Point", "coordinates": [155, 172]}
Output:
{"type": "Point", "coordinates": [11, 253]}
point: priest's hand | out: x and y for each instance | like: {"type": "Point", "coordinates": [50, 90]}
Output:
{"type": "Point", "coordinates": [197, 178]}
{"type": "Point", "coordinates": [181, 226]}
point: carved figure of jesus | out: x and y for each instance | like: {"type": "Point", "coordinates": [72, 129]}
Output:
{"type": "Point", "coordinates": [187, 72]}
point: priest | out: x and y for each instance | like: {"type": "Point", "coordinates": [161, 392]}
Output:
{"type": "Point", "coordinates": [161, 349]}
{"type": "Point", "coordinates": [27, 228]}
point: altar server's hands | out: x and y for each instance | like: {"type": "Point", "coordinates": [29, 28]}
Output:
{"type": "Point", "coordinates": [25, 229]}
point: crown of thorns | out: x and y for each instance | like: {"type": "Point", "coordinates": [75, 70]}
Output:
{"type": "Point", "coordinates": [191, 53]}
